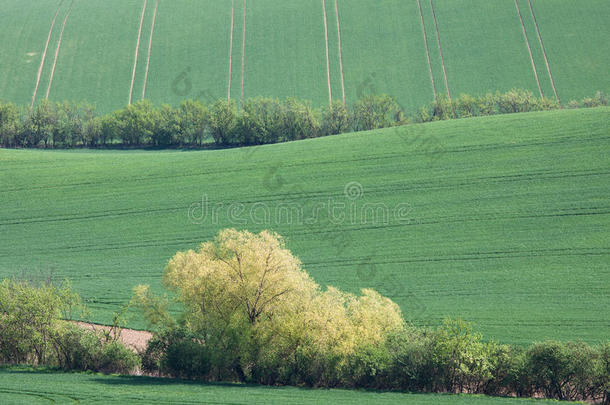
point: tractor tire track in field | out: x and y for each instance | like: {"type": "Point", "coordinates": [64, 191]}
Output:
{"type": "Point", "coordinates": [152, 30]}
{"type": "Point", "coordinates": [575, 138]}
{"type": "Point", "coordinates": [440, 50]}
{"type": "Point", "coordinates": [51, 397]}
{"type": "Point", "coordinates": [61, 35]}
{"type": "Point", "coordinates": [330, 92]}
{"type": "Point", "coordinates": [340, 51]}
{"type": "Point", "coordinates": [135, 61]}
{"type": "Point", "coordinates": [243, 55]}
{"type": "Point", "coordinates": [381, 190]}
{"type": "Point", "coordinates": [473, 148]}
{"type": "Point", "coordinates": [466, 256]}
{"type": "Point", "coordinates": [423, 27]}
{"type": "Point", "coordinates": [44, 53]}
{"type": "Point", "coordinates": [546, 59]}
{"type": "Point", "coordinates": [231, 49]}
{"type": "Point", "coordinates": [529, 48]}
{"type": "Point", "coordinates": [198, 238]}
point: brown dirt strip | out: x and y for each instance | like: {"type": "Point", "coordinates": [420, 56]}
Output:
{"type": "Point", "coordinates": [529, 48]}
{"type": "Point", "coordinates": [340, 51]}
{"type": "Point", "coordinates": [423, 27]}
{"type": "Point", "coordinates": [135, 62]}
{"type": "Point", "coordinates": [44, 54]}
{"type": "Point", "coordinates": [61, 35]}
{"type": "Point", "coordinates": [330, 92]}
{"type": "Point", "coordinates": [133, 339]}
{"type": "Point", "coordinates": [152, 30]}
{"type": "Point", "coordinates": [546, 59]}
{"type": "Point", "coordinates": [231, 48]}
{"type": "Point", "coordinates": [243, 56]}
{"type": "Point", "coordinates": [440, 49]}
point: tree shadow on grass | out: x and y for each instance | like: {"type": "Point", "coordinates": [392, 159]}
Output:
{"type": "Point", "coordinates": [147, 380]}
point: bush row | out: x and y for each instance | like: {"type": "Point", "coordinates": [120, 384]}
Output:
{"type": "Point", "coordinates": [448, 359]}
{"type": "Point", "coordinates": [252, 314]}
{"type": "Point", "coordinates": [34, 330]}
{"type": "Point", "coordinates": [258, 121]}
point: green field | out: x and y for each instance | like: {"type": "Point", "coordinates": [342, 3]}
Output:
{"type": "Point", "coordinates": [505, 225]}
{"type": "Point", "coordinates": [383, 49]}
{"type": "Point", "coordinates": [21, 386]}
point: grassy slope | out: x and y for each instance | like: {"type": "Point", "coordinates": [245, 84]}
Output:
{"type": "Point", "coordinates": [575, 37]}
{"type": "Point", "coordinates": [285, 51]}
{"type": "Point", "coordinates": [384, 52]}
{"type": "Point", "coordinates": [537, 54]}
{"type": "Point", "coordinates": [19, 386]}
{"type": "Point", "coordinates": [190, 59]}
{"type": "Point", "coordinates": [24, 33]}
{"type": "Point", "coordinates": [97, 51]}
{"type": "Point", "coordinates": [507, 227]}
{"type": "Point", "coordinates": [383, 49]}
{"type": "Point", "coordinates": [487, 55]}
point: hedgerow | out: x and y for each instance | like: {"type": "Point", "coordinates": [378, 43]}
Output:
{"type": "Point", "coordinates": [252, 314]}
{"type": "Point", "coordinates": [258, 121]}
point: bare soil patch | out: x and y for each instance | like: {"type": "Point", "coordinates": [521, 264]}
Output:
{"type": "Point", "coordinates": [133, 339]}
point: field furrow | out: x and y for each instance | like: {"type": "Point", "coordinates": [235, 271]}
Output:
{"type": "Point", "coordinates": [61, 35]}
{"type": "Point", "coordinates": [44, 54]}
{"type": "Point", "coordinates": [150, 41]}
{"type": "Point", "coordinates": [512, 214]}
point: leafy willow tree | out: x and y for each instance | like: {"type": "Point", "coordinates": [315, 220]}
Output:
{"type": "Point", "coordinates": [262, 317]}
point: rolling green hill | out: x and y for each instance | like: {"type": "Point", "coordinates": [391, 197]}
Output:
{"type": "Point", "coordinates": [502, 220]}
{"type": "Point", "coordinates": [21, 386]}
{"type": "Point", "coordinates": [167, 50]}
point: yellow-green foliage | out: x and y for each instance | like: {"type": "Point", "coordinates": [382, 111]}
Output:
{"type": "Point", "coordinates": [247, 293]}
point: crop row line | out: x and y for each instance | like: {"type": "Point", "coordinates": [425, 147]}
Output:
{"type": "Point", "coordinates": [44, 53]}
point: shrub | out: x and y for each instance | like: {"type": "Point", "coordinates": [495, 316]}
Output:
{"type": "Point", "coordinates": [599, 99]}
{"type": "Point", "coordinates": [192, 119]}
{"type": "Point", "coordinates": [135, 123]}
{"type": "Point", "coordinates": [460, 357]}
{"type": "Point", "coordinates": [29, 315]}
{"type": "Point", "coordinates": [441, 108]}
{"type": "Point", "coordinates": [299, 121]}
{"type": "Point", "coordinates": [516, 101]}
{"type": "Point", "coordinates": [32, 331]}
{"type": "Point", "coordinates": [76, 348]}
{"type": "Point", "coordinates": [564, 371]}
{"type": "Point", "coordinates": [10, 124]}
{"type": "Point", "coordinates": [38, 125]}
{"type": "Point", "coordinates": [487, 104]}
{"type": "Point", "coordinates": [335, 119]}
{"type": "Point", "coordinates": [118, 359]}
{"type": "Point", "coordinates": [261, 318]}
{"type": "Point", "coordinates": [373, 112]}
{"type": "Point", "coordinates": [465, 106]}
{"type": "Point", "coordinates": [223, 119]}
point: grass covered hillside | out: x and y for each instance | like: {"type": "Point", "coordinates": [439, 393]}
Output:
{"type": "Point", "coordinates": [502, 220]}
{"type": "Point", "coordinates": [116, 51]}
